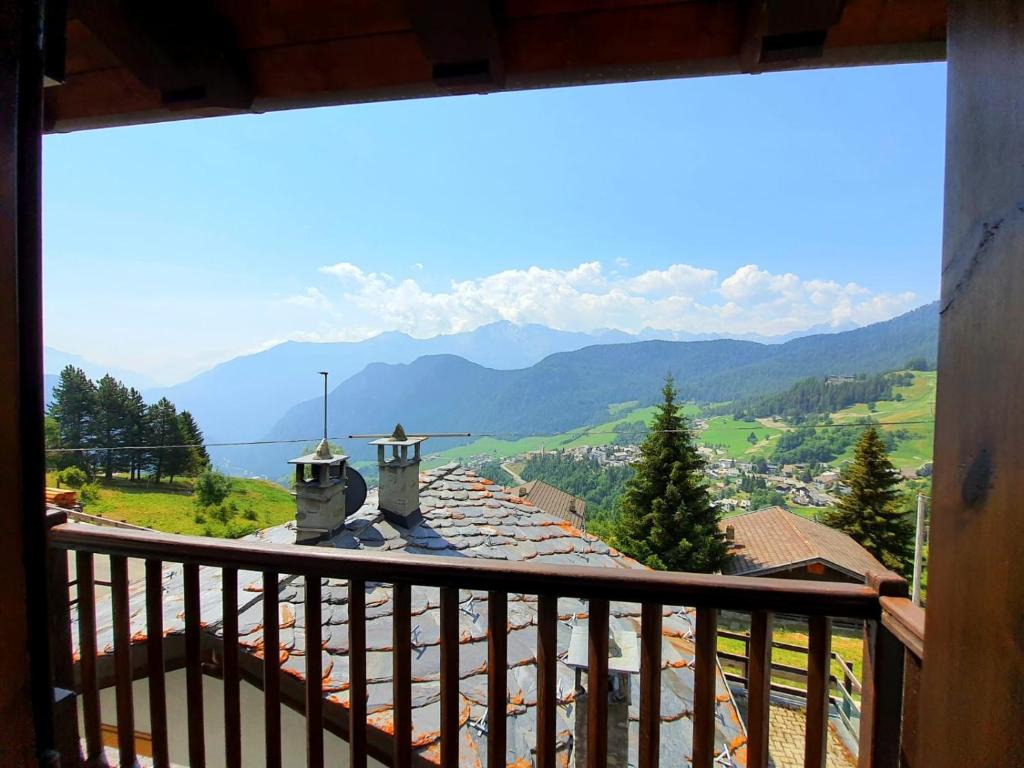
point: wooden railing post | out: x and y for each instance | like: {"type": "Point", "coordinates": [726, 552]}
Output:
{"type": "Point", "coordinates": [357, 673]}
{"type": "Point", "coordinates": [759, 683]}
{"type": "Point", "coordinates": [85, 576]}
{"type": "Point", "coordinates": [882, 685]}
{"type": "Point", "coordinates": [194, 668]}
{"type": "Point", "coordinates": [704, 687]}
{"type": "Point", "coordinates": [401, 677]}
{"type": "Point", "coordinates": [547, 669]}
{"type": "Point", "coordinates": [123, 660]}
{"type": "Point", "coordinates": [497, 678]}
{"type": "Point", "coordinates": [911, 708]}
{"type": "Point", "coordinates": [155, 663]}
{"type": "Point", "coordinates": [650, 684]}
{"type": "Point", "coordinates": [65, 706]}
{"type": "Point", "coordinates": [597, 685]}
{"type": "Point", "coordinates": [819, 658]}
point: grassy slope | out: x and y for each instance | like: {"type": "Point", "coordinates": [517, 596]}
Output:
{"type": "Point", "coordinates": [598, 434]}
{"type": "Point", "coordinates": [730, 434]}
{"type": "Point", "coordinates": [172, 509]}
{"type": "Point", "coordinates": [918, 404]}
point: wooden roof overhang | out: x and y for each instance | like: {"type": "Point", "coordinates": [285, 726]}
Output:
{"type": "Point", "coordinates": [138, 61]}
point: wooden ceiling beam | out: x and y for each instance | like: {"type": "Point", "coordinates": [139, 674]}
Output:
{"type": "Point", "coordinates": [176, 47]}
{"type": "Point", "coordinates": [779, 32]}
{"type": "Point", "coordinates": [460, 39]}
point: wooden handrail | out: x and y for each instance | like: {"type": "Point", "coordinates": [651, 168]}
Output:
{"type": "Point", "coordinates": [585, 582]}
{"type": "Point", "coordinates": [906, 621]}
{"type": "Point", "coordinates": [708, 594]}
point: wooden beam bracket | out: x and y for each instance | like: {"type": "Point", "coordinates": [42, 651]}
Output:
{"type": "Point", "coordinates": [179, 48]}
{"type": "Point", "coordinates": [460, 39]}
{"type": "Point", "coordinates": [782, 31]}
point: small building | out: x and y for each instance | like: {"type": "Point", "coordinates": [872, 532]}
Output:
{"type": "Point", "coordinates": [555, 502]}
{"type": "Point", "coordinates": [775, 542]}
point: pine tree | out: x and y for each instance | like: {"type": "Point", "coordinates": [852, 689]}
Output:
{"type": "Point", "coordinates": [872, 513]}
{"type": "Point", "coordinates": [666, 519]}
{"type": "Point", "coordinates": [164, 432]}
{"type": "Point", "coordinates": [111, 421]}
{"type": "Point", "coordinates": [198, 459]}
{"type": "Point", "coordinates": [136, 433]}
{"type": "Point", "coordinates": [73, 407]}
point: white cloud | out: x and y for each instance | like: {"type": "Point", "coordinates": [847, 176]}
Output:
{"type": "Point", "coordinates": [680, 297]}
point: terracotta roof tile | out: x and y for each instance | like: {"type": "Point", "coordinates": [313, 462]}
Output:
{"type": "Point", "coordinates": [773, 539]}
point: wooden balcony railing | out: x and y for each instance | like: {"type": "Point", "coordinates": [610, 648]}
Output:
{"type": "Point", "coordinates": [891, 625]}
{"type": "Point", "coordinates": [844, 688]}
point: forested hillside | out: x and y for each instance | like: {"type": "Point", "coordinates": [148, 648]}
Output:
{"type": "Point", "coordinates": [812, 398]}
{"type": "Point", "coordinates": [599, 486]}
{"type": "Point", "coordinates": [568, 390]}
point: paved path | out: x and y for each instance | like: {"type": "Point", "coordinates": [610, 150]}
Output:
{"type": "Point", "coordinates": [786, 738]}
{"type": "Point", "coordinates": [508, 468]}
{"type": "Point", "coordinates": [786, 741]}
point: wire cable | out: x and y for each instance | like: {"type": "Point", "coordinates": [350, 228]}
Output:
{"type": "Point", "coordinates": [507, 436]}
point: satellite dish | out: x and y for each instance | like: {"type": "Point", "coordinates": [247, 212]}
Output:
{"type": "Point", "coordinates": [355, 492]}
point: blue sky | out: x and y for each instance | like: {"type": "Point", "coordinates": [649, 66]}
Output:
{"type": "Point", "coordinates": [740, 204]}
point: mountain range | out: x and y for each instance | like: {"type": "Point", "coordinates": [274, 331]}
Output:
{"type": "Point", "coordinates": [244, 397]}
{"type": "Point", "coordinates": [565, 390]}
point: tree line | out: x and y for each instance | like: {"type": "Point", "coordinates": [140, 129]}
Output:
{"type": "Point", "coordinates": [599, 486]}
{"type": "Point", "coordinates": [812, 398]}
{"type": "Point", "coordinates": [119, 432]}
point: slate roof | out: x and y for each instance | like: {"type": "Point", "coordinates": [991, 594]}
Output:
{"type": "Point", "coordinates": [774, 539]}
{"type": "Point", "coordinates": [463, 516]}
{"type": "Point", "coordinates": [555, 502]}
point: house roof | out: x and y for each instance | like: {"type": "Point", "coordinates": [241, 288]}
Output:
{"type": "Point", "coordinates": [774, 539]}
{"type": "Point", "coordinates": [143, 62]}
{"type": "Point", "coordinates": [555, 502]}
{"type": "Point", "coordinates": [463, 515]}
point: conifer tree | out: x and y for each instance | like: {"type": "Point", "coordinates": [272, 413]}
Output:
{"type": "Point", "coordinates": [111, 421]}
{"type": "Point", "coordinates": [164, 432]}
{"type": "Point", "coordinates": [198, 458]}
{"type": "Point", "coordinates": [73, 406]}
{"type": "Point", "coordinates": [872, 513]}
{"type": "Point", "coordinates": [136, 432]}
{"type": "Point", "coordinates": [666, 519]}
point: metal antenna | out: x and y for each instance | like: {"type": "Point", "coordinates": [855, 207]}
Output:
{"type": "Point", "coordinates": [324, 374]}
{"type": "Point", "coordinates": [323, 451]}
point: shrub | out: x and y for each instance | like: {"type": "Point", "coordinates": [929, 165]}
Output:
{"type": "Point", "coordinates": [249, 514]}
{"type": "Point", "coordinates": [72, 477]}
{"type": "Point", "coordinates": [199, 518]}
{"type": "Point", "coordinates": [88, 493]}
{"type": "Point", "coordinates": [236, 529]}
{"type": "Point", "coordinates": [211, 488]}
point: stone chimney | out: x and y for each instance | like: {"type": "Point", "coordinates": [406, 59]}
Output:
{"type": "Point", "coordinates": [320, 482]}
{"type": "Point", "coordinates": [730, 533]}
{"type": "Point", "coordinates": [399, 490]}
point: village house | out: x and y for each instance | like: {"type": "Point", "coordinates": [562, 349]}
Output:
{"type": "Point", "coordinates": [776, 542]}
{"type": "Point", "coordinates": [554, 501]}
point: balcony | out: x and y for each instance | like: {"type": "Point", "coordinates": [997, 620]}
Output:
{"type": "Point", "coordinates": [240, 598]}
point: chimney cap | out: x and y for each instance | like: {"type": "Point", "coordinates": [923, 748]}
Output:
{"type": "Point", "coordinates": [392, 440]}
{"type": "Point", "coordinates": [316, 458]}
